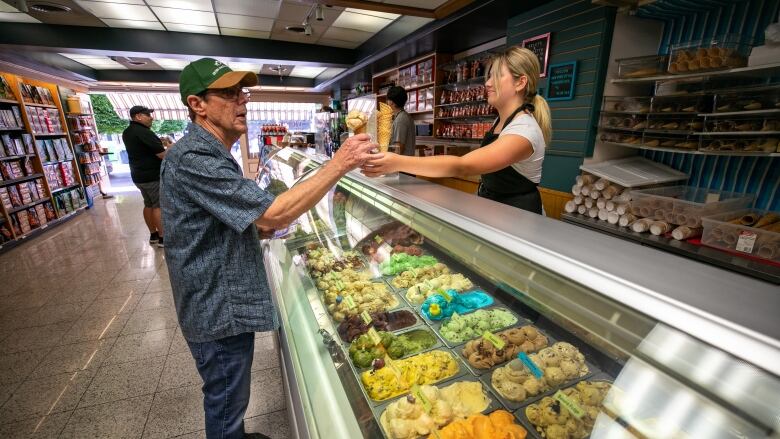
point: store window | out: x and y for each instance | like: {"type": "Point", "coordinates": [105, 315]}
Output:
{"type": "Point", "coordinates": [293, 116]}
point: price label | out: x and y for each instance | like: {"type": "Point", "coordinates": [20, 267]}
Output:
{"type": "Point", "coordinates": [446, 296]}
{"type": "Point", "coordinates": [393, 367]}
{"type": "Point", "coordinates": [339, 285]}
{"type": "Point", "coordinates": [494, 339]}
{"type": "Point", "coordinates": [711, 198]}
{"type": "Point", "coordinates": [350, 302]}
{"type": "Point", "coordinates": [570, 405]}
{"type": "Point", "coordinates": [420, 396]}
{"type": "Point", "coordinates": [374, 336]}
{"type": "Point", "coordinates": [746, 242]}
{"type": "Point", "coordinates": [529, 363]}
{"type": "Point", "coordinates": [366, 317]}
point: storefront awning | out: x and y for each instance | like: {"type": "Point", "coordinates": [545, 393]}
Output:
{"type": "Point", "coordinates": [166, 106]}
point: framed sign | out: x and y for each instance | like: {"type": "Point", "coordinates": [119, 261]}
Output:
{"type": "Point", "coordinates": [540, 45]}
{"type": "Point", "coordinates": [560, 83]}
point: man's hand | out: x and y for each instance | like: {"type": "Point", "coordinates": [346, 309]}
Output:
{"type": "Point", "coordinates": [265, 233]}
{"type": "Point", "coordinates": [354, 152]}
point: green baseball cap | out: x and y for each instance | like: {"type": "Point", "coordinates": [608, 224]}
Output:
{"type": "Point", "coordinates": [208, 73]}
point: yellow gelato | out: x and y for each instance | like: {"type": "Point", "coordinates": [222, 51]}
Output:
{"type": "Point", "coordinates": [398, 378]}
{"type": "Point", "coordinates": [407, 418]}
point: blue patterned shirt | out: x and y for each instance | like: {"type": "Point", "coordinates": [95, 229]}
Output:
{"type": "Point", "coordinates": [212, 246]}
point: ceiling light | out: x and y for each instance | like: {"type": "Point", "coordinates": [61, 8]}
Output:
{"type": "Point", "coordinates": [278, 69]}
{"type": "Point", "coordinates": [48, 8]}
{"type": "Point", "coordinates": [319, 15]}
{"type": "Point", "coordinates": [307, 29]}
{"type": "Point", "coordinates": [296, 29]}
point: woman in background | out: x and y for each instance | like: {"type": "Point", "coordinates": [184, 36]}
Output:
{"type": "Point", "coordinates": [509, 161]}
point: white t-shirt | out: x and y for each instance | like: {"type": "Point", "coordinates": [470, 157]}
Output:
{"type": "Point", "coordinates": [525, 125]}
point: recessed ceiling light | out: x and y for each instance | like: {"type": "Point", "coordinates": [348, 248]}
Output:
{"type": "Point", "coordinates": [48, 8]}
{"type": "Point", "coordinates": [278, 69]}
{"type": "Point", "coordinates": [296, 29]}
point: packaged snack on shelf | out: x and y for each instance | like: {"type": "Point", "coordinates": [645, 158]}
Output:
{"type": "Point", "coordinates": [41, 211]}
{"type": "Point", "coordinates": [625, 122]}
{"type": "Point", "coordinates": [750, 231]}
{"type": "Point", "coordinates": [32, 218]}
{"type": "Point", "coordinates": [5, 199]}
{"type": "Point", "coordinates": [24, 193]}
{"type": "Point", "coordinates": [681, 104]}
{"type": "Point", "coordinates": [674, 124]}
{"type": "Point", "coordinates": [728, 52]}
{"type": "Point", "coordinates": [758, 100]}
{"type": "Point", "coordinates": [620, 104]}
{"type": "Point", "coordinates": [642, 66]}
{"type": "Point", "coordinates": [742, 125]}
{"type": "Point", "coordinates": [13, 194]}
{"type": "Point", "coordinates": [51, 214]}
{"type": "Point", "coordinates": [758, 144]}
{"type": "Point", "coordinates": [689, 142]}
{"type": "Point", "coordinates": [24, 222]}
{"type": "Point", "coordinates": [15, 225]}
{"type": "Point", "coordinates": [685, 205]}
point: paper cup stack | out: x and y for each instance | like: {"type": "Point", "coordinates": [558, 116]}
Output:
{"type": "Point", "coordinates": [384, 126]}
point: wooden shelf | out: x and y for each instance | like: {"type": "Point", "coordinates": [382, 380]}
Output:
{"type": "Point", "coordinates": [11, 128]}
{"type": "Point", "coordinates": [696, 151]}
{"type": "Point", "coordinates": [82, 130]}
{"type": "Point", "coordinates": [49, 134]}
{"type": "Point", "coordinates": [30, 104]}
{"type": "Point", "coordinates": [20, 180]}
{"type": "Point", "coordinates": [27, 206]}
{"type": "Point", "coordinates": [468, 118]}
{"type": "Point", "coordinates": [54, 162]}
{"type": "Point", "coordinates": [78, 114]}
{"type": "Point", "coordinates": [748, 71]}
{"type": "Point", "coordinates": [420, 112]}
{"type": "Point", "coordinates": [417, 87]}
{"type": "Point", "coordinates": [742, 113]}
{"type": "Point", "coordinates": [73, 186]}
{"type": "Point", "coordinates": [15, 157]}
{"type": "Point", "coordinates": [738, 133]}
{"type": "Point", "coordinates": [9, 101]}
{"type": "Point", "coordinates": [483, 101]}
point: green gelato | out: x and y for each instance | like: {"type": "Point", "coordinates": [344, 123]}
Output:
{"type": "Point", "coordinates": [462, 328]}
{"type": "Point", "coordinates": [401, 262]}
{"type": "Point", "coordinates": [363, 352]}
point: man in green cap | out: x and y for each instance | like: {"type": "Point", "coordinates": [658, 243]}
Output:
{"type": "Point", "coordinates": [211, 215]}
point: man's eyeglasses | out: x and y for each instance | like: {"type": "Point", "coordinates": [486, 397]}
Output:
{"type": "Point", "coordinates": [230, 94]}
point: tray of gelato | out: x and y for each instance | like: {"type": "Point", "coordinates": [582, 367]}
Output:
{"type": "Point", "coordinates": [525, 380]}
{"type": "Point", "coordinates": [355, 297]}
{"type": "Point", "coordinates": [334, 281]}
{"type": "Point", "coordinates": [354, 326]}
{"type": "Point", "coordinates": [400, 262]}
{"type": "Point", "coordinates": [320, 260]}
{"type": "Point", "coordinates": [398, 237]}
{"type": "Point", "coordinates": [569, 413]}
{"type": "Point", "coordinates": [433, 407]}
{"type": "Point", "coordinates": [483, 354]}
{"type": "Point", "coordinates": [416, 275]}
{"type": "Point", "coordinates": [445, 304]}
{"type": "Point", "coordinates": [386, 381]}
{"type": "Point", "coordinates": [417, 293]}
{"type": "Point", "coordinates": [459, 329]}
{"type": "Point", "coordinates": [499, 424]}
{"type": "Point", "coordinates": [363, 351]}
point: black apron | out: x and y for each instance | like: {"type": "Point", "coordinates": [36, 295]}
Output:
{"type": "Point", "coordinates": [506, 185]}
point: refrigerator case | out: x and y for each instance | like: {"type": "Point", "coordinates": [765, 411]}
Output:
{"type": "Point", "coordinates": [689, 351]}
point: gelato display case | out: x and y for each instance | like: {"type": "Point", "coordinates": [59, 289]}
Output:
{"type": "Point", "coordinates": [409, 310]}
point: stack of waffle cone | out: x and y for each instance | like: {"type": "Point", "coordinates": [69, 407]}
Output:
{"type": "Point", "coordinates": [384, 126]}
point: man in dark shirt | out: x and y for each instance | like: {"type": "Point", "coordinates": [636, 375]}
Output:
{"type": "Point", "coordinates": [212, 215]}
{"type": "Point", "coordinates": [404, 135]}
{"type": "Point", "coordinates": [145, 151]}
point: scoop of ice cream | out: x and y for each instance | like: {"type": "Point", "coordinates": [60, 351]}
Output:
{"type": "Point", "coordinates": [456, 303]}
{"type": "Point", "coordinates": [460, 328]}
{"type": "Point", "coordinates": [498, 425]}
{"type": "Point", "coordinates": [426, 368]}
{"type": "Point", "coordinates": [552, 420]}
{"type": "Point", "coordinates": [399, 262]}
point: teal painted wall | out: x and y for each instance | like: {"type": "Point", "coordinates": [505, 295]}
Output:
{"type": "Point", "coordinates": [580, 31]}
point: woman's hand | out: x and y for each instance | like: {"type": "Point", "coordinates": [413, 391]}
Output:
{"type": "Point", "coordinates": [380, 164]}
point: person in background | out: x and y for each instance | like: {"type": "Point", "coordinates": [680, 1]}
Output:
{"type": "Point", "coordinates": [212, 215]}
{"type": "Point", "coordinates": [404, 136]}
{"type": "Point", "coordinates": [509, 161]}
{"type": "Point", "coordinates": [145, 152]}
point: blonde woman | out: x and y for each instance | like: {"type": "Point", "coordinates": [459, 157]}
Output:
{"type": "Point", "coordinates": [510, 160]}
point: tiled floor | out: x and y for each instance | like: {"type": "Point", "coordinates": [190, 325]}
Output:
{"type": "Point", "coordinates": [89, 341]}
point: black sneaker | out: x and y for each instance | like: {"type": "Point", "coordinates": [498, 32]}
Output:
{"type": "Point", "coordinates": [160, 242]}
{"type": "Point", "coordinates": [255, 436]}
{"type": "Point", "coordinates": [154, 238]}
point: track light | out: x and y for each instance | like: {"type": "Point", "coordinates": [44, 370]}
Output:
{"type": "Point", "coordinates": [319, 15]}
{"type": "Point", "coordinates": [307, 29]}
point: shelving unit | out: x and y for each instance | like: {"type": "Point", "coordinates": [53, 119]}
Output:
{"type": "Point", "coordinates": [764, 70]}
{"type": "Point", "coordinates": [83, 133]}
{"type": "Point", "coordinates": [29, 204]}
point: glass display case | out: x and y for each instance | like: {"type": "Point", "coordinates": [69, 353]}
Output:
{"type": "Point", "coordinates": [411, 310]}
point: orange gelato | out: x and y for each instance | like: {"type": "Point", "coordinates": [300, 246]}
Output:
{"type": "Point", "coordinates": [498, 425]}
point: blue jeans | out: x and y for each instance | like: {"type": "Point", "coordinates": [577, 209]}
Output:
{"type": "Point", "coordinates": [225, 366]}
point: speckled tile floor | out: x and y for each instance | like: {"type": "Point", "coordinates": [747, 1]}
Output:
{"type": "Point", "coordinates": [89, 341]}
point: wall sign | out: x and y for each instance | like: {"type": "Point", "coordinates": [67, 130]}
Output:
{"type": "Point", "coordinates": [560, 84]}
{"type": "Point", "coordinates": [540, 45]}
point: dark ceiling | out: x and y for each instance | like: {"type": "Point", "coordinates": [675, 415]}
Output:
{"type": "Point", "coordinates": [478, 23]}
